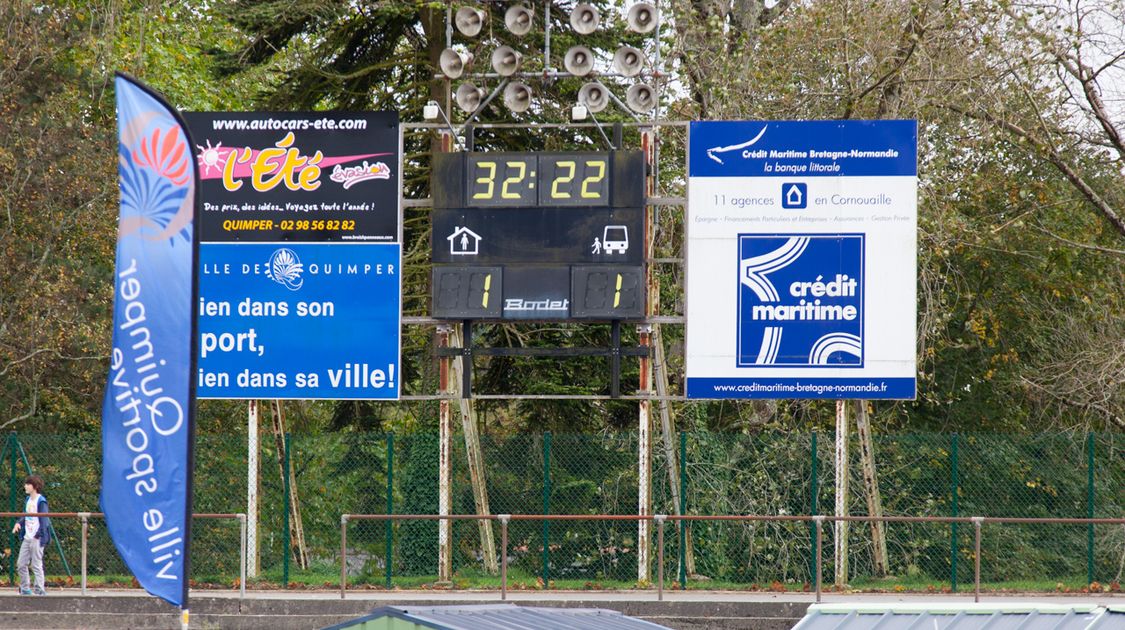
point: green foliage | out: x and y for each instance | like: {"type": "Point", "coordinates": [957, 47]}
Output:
{"type": "Point", "coordinates": [999, 475]}
{"type": "Point", "coordinates": [419, 487]}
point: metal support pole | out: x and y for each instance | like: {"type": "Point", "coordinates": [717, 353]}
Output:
{"type": "Point", "coordinates": [343, 554]}
{"type": "Point", "coordinates": [1090, 507]}
{"type": "Point", "coordinates": [504, 518]}
{"type": "Point", "coordinates": [977, 521]}
{"type": "Point", "coordinates": [644, 461]}
{"type": "Point", "coordinates": [85, 516]}
{"type": "Point", "coordinates": [842, 480]}
{"type": "Point", "coordinates": [13, 488]}
{"type": "Point", "coordinates": [11, 524]}
{"type": "Point", "coordinates": [241, 559]}
{"type": "Point", "coordinates": [955, 482]}
{"type": "Point", "coordinates": [615, 359]}
{"type": "Point", "coordinates": [388, 563]}
{"type": "Point", "coordinates": [286, 544]}
{"type": "Point", "coordinates": [252, 487]}
{"type": "Point", "coordinates": [683, 510]}
{"type": "Point", "coordinates": [546, 509]}
{"type": "Point", "coordinates": [814, 489]}
{"type": "Point", "coordinates": [445, 497]}
{"type": "Point", "coordinates": [467, 358]}
{"type": "Point", "coordinates": [818, 522]}
{"type": "Point", "coordinates": [546, 36]}
{"type": "Point", "coordinates": [659, 518]}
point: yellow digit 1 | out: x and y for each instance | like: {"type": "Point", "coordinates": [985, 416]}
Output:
{"type": "Point", "coordinates": [617, 293]}
{"type": "Point", "coordinates": [593, 179]}
{"type": "Point", "coordinates": [515, 179]}
{"type": "Point", "coordinates": [486, 180]}
{"type": "Point", "coordinates": [555, 192]}
{"type": "Point", "coordinates": [487, 286]}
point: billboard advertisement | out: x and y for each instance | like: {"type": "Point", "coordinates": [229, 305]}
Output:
{"type": "Point", "coordinates": [801, 259]}
{"type": "Point", "coordinates": [300, 289]}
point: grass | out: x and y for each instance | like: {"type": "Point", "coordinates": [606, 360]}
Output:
{"type": "Point", "coordinates": [325, 577]}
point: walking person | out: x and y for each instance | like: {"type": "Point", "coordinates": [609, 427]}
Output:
{"type": "Point", "coordinates": [36, 535]}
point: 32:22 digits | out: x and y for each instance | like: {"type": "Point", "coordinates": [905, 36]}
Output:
{"type": "Point", "coordinates": [554, 179]}
{"type": "Point", "coordinates": [331, 225]}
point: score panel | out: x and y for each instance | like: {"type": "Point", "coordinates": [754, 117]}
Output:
{"type": "Point", "coordinates": [539, 292]}
{"type": "Point", "coordinates": [467, 292]}
{"type": "Point", "coordinates": [607, 292]}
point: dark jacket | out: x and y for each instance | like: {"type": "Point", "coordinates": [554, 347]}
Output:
{"type": "Point", "coordinates": [45, 532]}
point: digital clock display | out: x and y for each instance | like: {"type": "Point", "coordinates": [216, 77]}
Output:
{"type": "Point", "coordinates": [500, 179]}
{"type": "Point", "coordinates": [578, 179]}
{"type": "Point", "coordinates": [524, 180]}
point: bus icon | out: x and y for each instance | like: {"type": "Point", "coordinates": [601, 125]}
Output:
{"type": "Point", "coordinates": [615, 238]}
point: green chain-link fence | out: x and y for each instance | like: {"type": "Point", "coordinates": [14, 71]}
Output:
{"type": "Point", "coordinates": [1045, 475]}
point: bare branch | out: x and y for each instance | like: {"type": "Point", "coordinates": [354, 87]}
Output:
{"type": "Point", "coordinates": [1097, 248]}
{"type": "Point", "coordinates": [1052, 155]}
{"type": "Point", "coordinates": [27, 358]}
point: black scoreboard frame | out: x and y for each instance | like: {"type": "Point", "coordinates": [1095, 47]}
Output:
{"type": "Point", "coordinates": [530, 256]}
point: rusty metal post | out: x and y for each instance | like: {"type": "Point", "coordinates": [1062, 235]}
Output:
{"type": "Point", "coordinates": [644, 386]}
{"type": "Point", "coordinates": [343, 554]}
{"type": "Point", "coordinates": [819, 521]}
{"type": "Point", "coordinates": [841, 526]}
{"type": "Point", "coordinates": [85, 516]}
{"type": "Point", "coordinates": [644, 461]}
{"type": "Point", "coordinates": [659, 519]}
{"type": "Point", "coordinates": [977, 521]}
{"type": "Point", "coordinates": [445, 466]}
{"type": "Point", "coordinates": [252, 482]}
{"type": "Point", "coordinates": [504, 518]}
{"type": "Point", "coordinates": [241, 559]}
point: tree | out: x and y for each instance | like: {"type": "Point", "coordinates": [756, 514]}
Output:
{"type": "Point", "coordinates": [55, 162]}
{"type": "Point", "coordinates": [58, 185]}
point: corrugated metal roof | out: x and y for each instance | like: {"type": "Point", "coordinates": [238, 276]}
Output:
{"type": "Point", "coordinates": [954, 616]}
{"type": "Point", "coordinates": [509, 617]}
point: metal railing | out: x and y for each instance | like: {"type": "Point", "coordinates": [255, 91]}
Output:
{"type": "Point", "coordinates": [660, 519]}
{"type": "Point", "coordinates": [84, 518]}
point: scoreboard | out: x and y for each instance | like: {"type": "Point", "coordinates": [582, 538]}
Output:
{"type": "Point", "coordinates": [539, 236]}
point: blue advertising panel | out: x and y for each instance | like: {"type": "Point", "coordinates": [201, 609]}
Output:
{"type": "Point", "coordinates": [301, 226]}
{"type": "Point", "coordinates": [299, 320]}
{"type": "Point", "coordinates": [806, 148]}
{"type": "Point", "coordinates": [801, 259]}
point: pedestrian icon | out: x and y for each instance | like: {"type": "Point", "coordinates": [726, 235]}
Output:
{"type": "Point", "coordinates": [597, 246]}
{"type": "Point", "coordinates": [464, 242]}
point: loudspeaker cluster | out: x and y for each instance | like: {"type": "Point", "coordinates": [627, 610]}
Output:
{"type": "Point", "coordinates": [579, 61]}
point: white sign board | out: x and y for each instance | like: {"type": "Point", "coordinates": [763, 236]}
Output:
{"type": "Point", "coordinates": [801, 259]}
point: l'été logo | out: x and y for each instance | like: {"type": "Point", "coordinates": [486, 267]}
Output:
{"type": "Point", "coordinates": [283, 164]}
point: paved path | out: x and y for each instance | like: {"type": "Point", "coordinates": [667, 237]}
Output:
{"type": "Point", "coordinates": [116, 609]}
